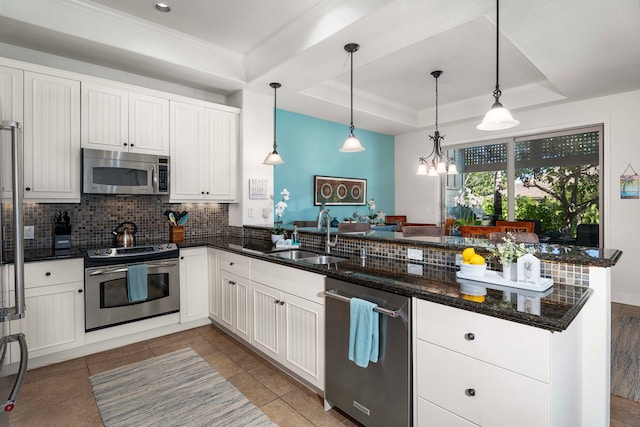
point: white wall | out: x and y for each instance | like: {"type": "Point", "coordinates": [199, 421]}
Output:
{"type": "Point", "coordinates": [620, 114]}
{"type": "Point", "coordinates": [256, 136]}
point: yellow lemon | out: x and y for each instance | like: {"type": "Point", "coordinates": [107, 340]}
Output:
{"type": "Point", "coordinates": [476, 259]}
{"type": "Point", "coordinates": [468, 253]}
{"type": "Point", "coordinates": [474, 298]}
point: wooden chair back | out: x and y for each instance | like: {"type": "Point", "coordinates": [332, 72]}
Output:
{"type": "Point", "coordinates": [398, 220]}
{"type": "Point", "coordinates": [305, 223]}
{"type": "Point", "coordinates": [522, 237]}
{"type": "Point", "coordinates": [517, 226]}
{"type": "Point", "coordinates": [421, 230]}
{"type": "Point", "coordinates": [479, 231]}
{"type": "Point", "coordinates": [447, 226]}
{"type": "Point", "coordinates": [353, 227]}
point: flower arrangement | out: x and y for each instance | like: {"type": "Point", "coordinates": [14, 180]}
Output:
{"type": "Point", "coordinates": [466, 202]}
{"type": "Point", "coordinates": [373, 215]}
{"type": "Point", "coordinates": [280, 208]}
{"type": "Point", "coordinates": [509, 251]}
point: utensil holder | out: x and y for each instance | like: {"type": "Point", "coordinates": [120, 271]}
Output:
{"type": "Point", "coordinates": [177, 234]}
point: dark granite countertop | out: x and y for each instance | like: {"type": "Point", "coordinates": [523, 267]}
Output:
{"type": "Point", "coordinates": [558, 307]}
{"type": "Point", "coordinates": [428, 282]}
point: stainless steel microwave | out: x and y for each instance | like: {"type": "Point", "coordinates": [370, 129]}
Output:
{"type": "Point", "coordinates": [114, 172]}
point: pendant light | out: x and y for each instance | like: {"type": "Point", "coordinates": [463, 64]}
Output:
{"type": "Point", "coordinates": [352, 144]}
{"type": "Point", "coordinates": [440, 164]}
{"type": "Point", "coordinates": [498, 117]}
{"type": "Point", "coordinates": [274, 158]}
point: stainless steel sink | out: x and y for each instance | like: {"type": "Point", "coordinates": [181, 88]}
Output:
{"type": "Point", "coordinates": [293, 254]}
{"type": "Point", "coordinates": [324, 259]}
{"type": "Point", "coordinates": [306, 256]}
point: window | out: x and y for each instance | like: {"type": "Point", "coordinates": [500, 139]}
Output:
{"type": "Point", "coordinates": [551, 178]}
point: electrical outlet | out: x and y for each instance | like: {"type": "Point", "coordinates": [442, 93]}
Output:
{"type": "Point", "coordinates": [250, 214]}
{"type": "Point", "coordinates": [414, 269]}
{"type": "Point", "coordinates": [415, 254]}
{"type": "Point", "coordinates": [29, 232]}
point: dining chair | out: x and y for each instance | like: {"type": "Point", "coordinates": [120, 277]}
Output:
{"type": "Point", "coordinates": [479, 231]}
{"type": "Point", "coordinates": [521, 237]}
{"type": "Point", "coordinates": [353, 227]}
{"type": "Point", "coordinates": [421, 230]}
{"type": "Point", "coordinates": [517, 226]}
{"type": "Point", "coordinates": [398, 220]}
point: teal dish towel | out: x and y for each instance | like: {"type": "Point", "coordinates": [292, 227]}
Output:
{"type": "Point", "coordinates": [137, 282]}
{"type": "Point", "coordinates": [363, 332]}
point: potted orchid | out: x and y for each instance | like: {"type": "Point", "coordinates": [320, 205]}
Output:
{"type": "Point", "coordinates": [466, 202]}
{"type": "Point", "coordinates": [278, 232]}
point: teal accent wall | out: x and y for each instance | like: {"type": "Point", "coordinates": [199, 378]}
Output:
{"type": "Point", "coordinates": [310, 146]}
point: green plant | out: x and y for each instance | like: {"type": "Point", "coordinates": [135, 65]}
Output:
{"type": "Point", "coordinates": [509, 251]}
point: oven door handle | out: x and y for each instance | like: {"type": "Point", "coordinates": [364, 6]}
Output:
{"type": "Point", "coordinates": [124, 269]}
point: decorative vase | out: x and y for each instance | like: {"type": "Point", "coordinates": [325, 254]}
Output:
{"type": "Point", "coordinates": [276, 237]}
{"type": "Point", "coordinates": [510, 271]}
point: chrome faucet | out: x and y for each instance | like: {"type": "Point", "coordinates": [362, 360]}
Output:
{"type": "Point", "coordinates": [329, 243]}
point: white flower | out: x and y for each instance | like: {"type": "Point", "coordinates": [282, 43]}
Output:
{"type": "Point", "coordinates": [285, 194]}
{"type": "Point", "coordinates": [372, 204]}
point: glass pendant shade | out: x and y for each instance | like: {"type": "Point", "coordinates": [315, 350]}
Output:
{"type": "Point", "coordinates": [273, 158]}
{"type": "Point", "coordinates": [351, 144]}
{"type": "Point", "coordinates": [422, 169]}
{"type": "Point", "coordinates": [497, 118]}
{"type": "Point", "coordinates": [432, 171]}
{"type": "Point", "coordinates": [442, 167]}
{"type": "Point", "coordinates": [452, 169]}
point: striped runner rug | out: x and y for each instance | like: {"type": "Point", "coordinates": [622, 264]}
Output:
{"type": "Point", "coordinates": [176, 389]}
{"type": "Point", "coordinates": [625, 356]}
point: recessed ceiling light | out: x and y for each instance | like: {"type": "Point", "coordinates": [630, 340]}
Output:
{"type": "Point", "coordinates": [162, 7]}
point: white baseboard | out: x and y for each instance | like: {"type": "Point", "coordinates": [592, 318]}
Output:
{"type": "Point", "coordinates": [625, 298]}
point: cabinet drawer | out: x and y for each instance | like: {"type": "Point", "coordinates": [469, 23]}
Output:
{"type": "Point", "coordinates": [46, 273]}
{"type": "Point", "coordinates": [302, 283]}
{"type": "Point", "coordinates": [234, 263]}
{"type": "Point", "coordinates": [430, 415]}
{"type": "Point", "coordinates": [520, 348]}
{"type": "Point", "coordinates": [480, 392]}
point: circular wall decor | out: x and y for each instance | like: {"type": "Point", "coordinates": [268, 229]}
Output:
{"type": "Point", "coordinates": [341, 191]}
{"type": "Point", "coordinates": [355, 192]}
{"type": "Point", "coordinates": [326, 190]}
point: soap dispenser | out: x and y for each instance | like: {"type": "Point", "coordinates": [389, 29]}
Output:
{"type": "Point", "coordinates": [295, 238]}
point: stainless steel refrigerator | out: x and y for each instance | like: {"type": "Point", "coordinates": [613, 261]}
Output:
{"type": "Point", "coordinates": [12, 305]}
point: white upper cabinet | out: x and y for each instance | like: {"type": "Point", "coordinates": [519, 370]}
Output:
{"type": "Point", "coordinates": [203, 153]}
{"type": "Point", "coordinates": [120, 120]}
{"type": "Point", "coordinates": [11, 83]}
{"type": "Point", "coordinates": [51, 138]}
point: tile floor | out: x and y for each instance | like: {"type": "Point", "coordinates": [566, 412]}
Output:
{"type": "Point", "coordinates": [60, 395]}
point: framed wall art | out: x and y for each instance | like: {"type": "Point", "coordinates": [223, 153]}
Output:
{"type": "Point", "coordinates": [336, 191]}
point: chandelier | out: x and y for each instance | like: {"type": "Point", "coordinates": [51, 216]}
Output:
{"type": "Point", "coordinates": [436, 163]}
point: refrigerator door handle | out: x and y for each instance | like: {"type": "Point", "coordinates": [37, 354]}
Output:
{"type": "Point", "coordinates": [10, 403]}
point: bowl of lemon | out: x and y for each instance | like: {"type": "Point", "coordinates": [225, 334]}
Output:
{"type": "Point", "coordinates": [472, 264]}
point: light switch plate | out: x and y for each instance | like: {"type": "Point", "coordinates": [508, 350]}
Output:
{"type": "Point", "coordinates": [414, 269]}
{"type": "Point", "coordinates": [415, 254]}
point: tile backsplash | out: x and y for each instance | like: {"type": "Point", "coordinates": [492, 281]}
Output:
{"type": "Point", "coordinates": [96, 215]}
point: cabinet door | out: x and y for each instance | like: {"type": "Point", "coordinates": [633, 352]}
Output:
{"type": "Point", "coordinates": [148, 124]}
{"type": "Point", "coordinates": [11, 97]}
{"type": "Point", "coordinates": [51, 138]}
{"type": "Point", "coordinates": [304, 338]}
{"type": "Point", "coordinates": [430, 415]}
{"type": "Point", "coordinates": [105, 118]}
{"type": "Point", "coordinates": [54, 320]}
{"type": "Point", "coordinates": [266, 320]}
{"type": "Point", "coordinates": [221, 139]}
{"type": "Point", "coordinates": [242, 306]}
{"type": "Point", "coordinates": [194, 286]}
{"type": "Point", "coordinates": [188, 153]}
{"type": "Point", "coordinates": [214, 285]}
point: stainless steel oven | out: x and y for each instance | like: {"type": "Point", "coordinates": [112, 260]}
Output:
{"type": "Point", "coordinates": [108, 300]}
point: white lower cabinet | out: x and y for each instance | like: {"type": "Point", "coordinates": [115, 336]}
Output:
{"type": "Point", "coordinates": [290, 330]}
{"type": "Point", "coordinates": [288, 318]}
{"type": "Point", "coordinates": [214, 288]}
{"type": "Point", "coordinates": [474, 369]}
{"type": "Point", "coordinates": [54, 299]}
{"type": "Point", "coordinates": [194, 284]}
{"type": "Point", "coordinates": [235, 294]}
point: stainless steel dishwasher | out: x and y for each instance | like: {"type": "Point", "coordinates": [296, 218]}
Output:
{"type": "Point", "coordinates": [380, 394]}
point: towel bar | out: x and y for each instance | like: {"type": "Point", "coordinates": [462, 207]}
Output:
{"type": "Point", "coordinates": [386, 312]}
